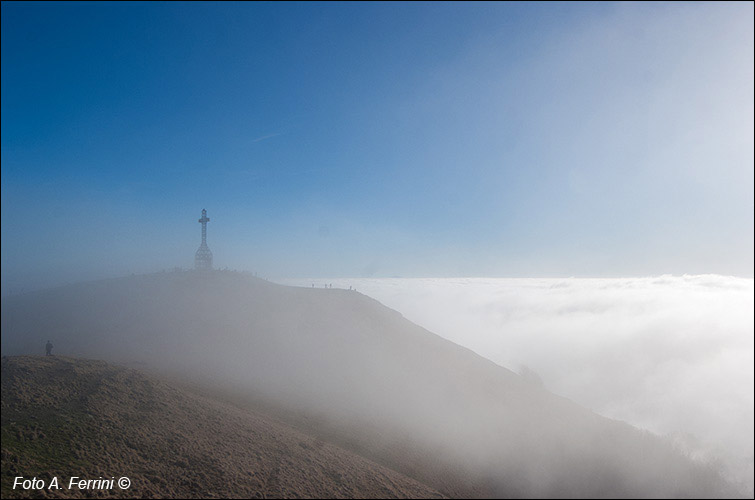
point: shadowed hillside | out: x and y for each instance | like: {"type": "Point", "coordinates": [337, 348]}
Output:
{"type": "Point", "coordinates": [381, 384]}
{"type": "Point", "coordinates": [63, 416]}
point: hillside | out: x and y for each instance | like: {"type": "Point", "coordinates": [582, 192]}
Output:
{"type": "Point", "coordinates": [64, 416]}
{"type": "Point", "coordinates": [375, 382]}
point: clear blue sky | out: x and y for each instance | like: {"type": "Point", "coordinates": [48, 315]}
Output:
{"type": "Point", "coordinates": [377, 139]}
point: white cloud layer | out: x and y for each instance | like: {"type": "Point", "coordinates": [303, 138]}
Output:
{"type": "Point", "coordinates": [670, 354]}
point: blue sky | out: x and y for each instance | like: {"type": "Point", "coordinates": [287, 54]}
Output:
{"type": "Point", "coordinates": [379, 139]}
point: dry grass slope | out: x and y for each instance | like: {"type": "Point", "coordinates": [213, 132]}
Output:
{"type": "Point", "coordinates": [379, 386]}
{"type": "Point", "coordinates": [66, 416]}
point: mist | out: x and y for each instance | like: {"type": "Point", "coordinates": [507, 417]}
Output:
{"type": "Point", "coordinates": [616, 141]}
{"type": "Point", "coordinates": [374, 380]}
{"type": "Point", "coordinates": [562, 145]}
{"type": "Point", "coordinates": [671, 354]}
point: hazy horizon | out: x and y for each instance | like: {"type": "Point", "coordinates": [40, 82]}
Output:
{"type": "Point", "coordinates": [565, 188]}
{"type": "Point", "coordinates": [403, 139]}
{"type": "Point", "coordinates": [670, 355]}
{"type": "Point", "coordinates": [657, 352]}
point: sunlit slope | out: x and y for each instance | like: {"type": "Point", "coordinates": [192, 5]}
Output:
{"type": "Point", "coordinates": [340, 355]}
{"type": "Point", "coordinates": [67, 416]}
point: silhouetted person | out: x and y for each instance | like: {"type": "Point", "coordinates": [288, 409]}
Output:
{"type": "Point", "coordinates": [48, 348]}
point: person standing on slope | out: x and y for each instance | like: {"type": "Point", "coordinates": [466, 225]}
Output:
{"type": "Point", "coordinates": [48, 348]}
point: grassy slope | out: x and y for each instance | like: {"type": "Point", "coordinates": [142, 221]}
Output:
{"type": "Point", "coordinates": [66, 416]}
{"type": "Point", "coordinates": [387, 388]}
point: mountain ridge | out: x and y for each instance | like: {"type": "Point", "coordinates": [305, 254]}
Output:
{"type": "Point", "coordinates": [345, 359]}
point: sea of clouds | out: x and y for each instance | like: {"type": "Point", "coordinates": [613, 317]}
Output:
{"type": "Point", "coordinates": [671, 354]}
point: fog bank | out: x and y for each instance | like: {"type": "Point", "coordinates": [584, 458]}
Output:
{"type": "Point", "coordinates": [670, 354]}
{"type": "Point", "coordinates": [377, 380]}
